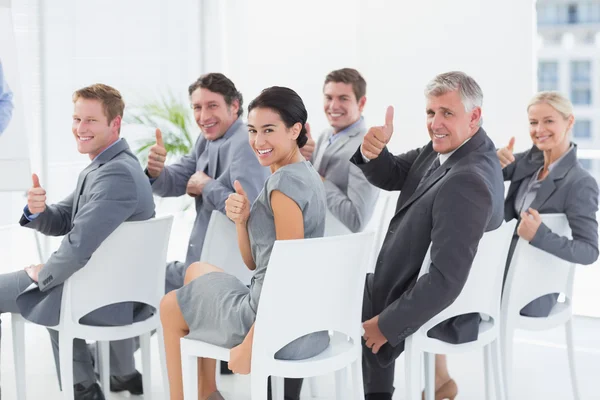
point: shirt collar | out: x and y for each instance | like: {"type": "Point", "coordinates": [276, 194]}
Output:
{"type": "Point", "coordinates": [113, 143]}
{"type": "Point", "coordinates": [445, 157]}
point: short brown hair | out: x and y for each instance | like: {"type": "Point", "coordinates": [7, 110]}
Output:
{"type": "Point", "coordinates": [219, 83]}
{"type": "Point", "coordinates": [111, 99]}
{"type": "Point", "coordinates": [349, 75]}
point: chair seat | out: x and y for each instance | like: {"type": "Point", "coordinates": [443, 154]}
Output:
{"type": "Point", "coordinates": [337, 355]}
{"type": "Point", "coordinates": [559, 315]}
{"type": "Point", "coordinates": [488, 332]}
{"type": "Point", "coordinates": [110, 333]}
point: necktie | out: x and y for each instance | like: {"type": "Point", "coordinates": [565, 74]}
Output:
{"type": "Point", "coordinates": [432, 168]}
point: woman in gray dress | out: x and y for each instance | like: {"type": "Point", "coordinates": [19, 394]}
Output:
{"type": "Point", "coordinates": [218, 308]}
{"type": "Point", "coordinates": [548, 178]}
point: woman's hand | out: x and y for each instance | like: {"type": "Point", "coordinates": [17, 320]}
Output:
{"type": "Point", "coordinates": [505, 154]}
{"type": "Point", "coordinates": [240, 358]}
{"type": "Point", "coordinates": [237, 205]}
{"type": "Point", "coordinates": [529, 225]}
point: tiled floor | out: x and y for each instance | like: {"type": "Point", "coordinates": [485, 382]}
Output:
{"type": "Point", "coordinates": [540, 368]}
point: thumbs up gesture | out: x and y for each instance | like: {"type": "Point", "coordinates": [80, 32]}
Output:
{"type": "Point", "coordinates": [378, 136]}
{"type": "Point", "coordinates": [157, 156]}
{"type": "Point", "coordinates": [505, 154]}
{"type": "Point", "coordinates": [237, 205]}
{"type": "Point", "coordinates": [36, 197]}
{"type": "Point", "coordinates": [309, 147]}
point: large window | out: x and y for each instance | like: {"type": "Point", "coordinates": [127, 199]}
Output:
{"type": "Point", "coordinates": [552, 14]}
{"type": "Point", "coordinates": [589, 12]}
{"type": "Point", "coordinates": [582, 129]}
{"type": "Point", "coordinates": [581, 82]}
{"type": "Point", "coordinates": [548, 75]}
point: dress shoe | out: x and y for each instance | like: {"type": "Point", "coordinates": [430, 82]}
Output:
{"type": "Point", "coordinates": [225, 368]}
{"type": "Point", "coordinates": [92, 392]}
{"type": "Point", "coordinates": [131, 383]}
{"type": "Point", "coordinates": [448, 390]}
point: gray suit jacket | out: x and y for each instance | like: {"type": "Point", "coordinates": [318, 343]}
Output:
{"type": "Point", "coordinates": [451, 210]}
{"type": "Point", "coordinates": [111, 190]}
{"type": "Point", "coordinates": [226, 160]}
{"type": "Point", "coordinates": [350, 196]}
{"type": "Point", "coordinates": [568, 189]}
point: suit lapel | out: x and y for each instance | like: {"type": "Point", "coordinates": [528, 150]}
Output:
{"type": "Point", "coordinates": [102, 159]}
{"type": "Point", "coordinates": [477, 140]}
{"type": "Point", "coordinates": [339, 143]}
{"type": "Point", "coordinates": [557, 173]}
{"type": "Point", "coordinates": [213, 157]}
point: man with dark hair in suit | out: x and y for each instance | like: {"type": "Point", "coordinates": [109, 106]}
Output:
{"type": "Point", "coordinates": [112, 189]}
{"type": "Point", "coordinates": [451, 193]}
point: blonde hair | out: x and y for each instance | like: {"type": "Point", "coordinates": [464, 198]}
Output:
{"type": "Point", "coordinates": [112, 102]}
{"type": "Point", "coordinates": [555, 100]}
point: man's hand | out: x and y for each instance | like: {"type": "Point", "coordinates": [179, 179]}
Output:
{"type": "Point", "coordinates": [237, 205]}
{"type": "Point", "coordinates": [33, 271]}
{"type": "Point", "coordinates": [36, 197]}
{"type": "Point", "coordinates": [530, 223]}
{"type": "Point", "coordinates": [309, 147]}
{"type": "Point", "coordinates": [196, 184]}
{"type": "Point", "coordinates": [157, 156]}
{"type": "Point", "coordinates": [240, 359]}
{"type": "Point", "coordinates": [505, 154]}
{"type": "Point", "coordinates": [378, 136]}
{"type": "Point", "coordinates": [373, 335]}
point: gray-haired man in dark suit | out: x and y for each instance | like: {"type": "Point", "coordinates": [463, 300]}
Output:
{"type": "Point", "coordinates": [451, 193]}
{"type": "Point", "coordinates": [112, 189]}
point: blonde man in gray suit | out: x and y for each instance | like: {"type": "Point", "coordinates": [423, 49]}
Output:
{"type": "Point", "coordinates": [112, 189]}
{"type": "Point", "coordinates": [350, 197]}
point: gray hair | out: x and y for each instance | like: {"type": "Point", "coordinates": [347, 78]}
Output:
{"type": "Point", "coordinates": [470, 92]}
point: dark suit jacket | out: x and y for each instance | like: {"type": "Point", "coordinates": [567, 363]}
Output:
{"type": "Point", "coordinates": [568, 189]}
{"type": "Point", "coordinates": [451, 210]}
{"type": "Point", "coordinates": [111, 190]}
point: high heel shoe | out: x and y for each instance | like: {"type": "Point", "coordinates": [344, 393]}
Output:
{"type": "Point", "coordinates": [448, 390]}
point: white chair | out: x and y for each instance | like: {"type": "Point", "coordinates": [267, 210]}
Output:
{"type": "Point", "coordinates": [383, 214]}
{"type": "Point", "coordinates": [534, 273]}
{"type": "Point", "coordinates": [221, 247]}
{"type": "Point", "coordinates": [334, 227]}
{"type": "Point", "coordinates": [481, 294]}
{"type": "Point", "coordinates": [136, 253]}
{"type": "Point", "coordinates": [311, 285]}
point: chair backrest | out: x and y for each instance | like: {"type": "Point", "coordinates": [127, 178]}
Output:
{"type": "Point", "coordinates": [221, 247]}
{"type": "Point", "coordinates": [533, 272]}
{"type": "Point", "coordinates": [312, 285]}
{"type": "Point", "coordinates": [481, 293]}
{"type": "Point", "coordinates": [333, 226]}
{"type": "Point", "coordinates": [129, 266]}
{"type": "Point", "coordinates": [382, 215]}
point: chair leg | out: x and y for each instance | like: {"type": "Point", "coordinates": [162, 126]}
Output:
{"type": "Point", "coordinates": [358, 387]}
{"type": "Point", "coordinates": [103, 349]}
{"type": "Point", "coordinates": [571, 355]}
{"type": "Point", "coordinates": [189, 366]}
{"type": "Point", "coordinates": [314, 387]}
{"type": "Point", "coordinates": [498, 369]}
{"type": "Point", "coordinates": [412, 370]}
{"type": "Point", "coordinates": [487, 371]}
{"type": "Point", "coordinates": [507, 335]}
{"type": "Point", "coordinates": [277, 388]}
{"type": "Point", "coordinates": [429, 361]}
{"type": "Point", "coordinates": [66, 365]}
{"type": "Point", "coordinates": [258, 386]}
{"type": "Point", "coordinates": [18, 338]}
{"type": "Point", "coordinates": [218, 373]}
{"type": "Point", "coordinates": [163, 359]}
{"type": "Point", "coordinates": [341, 384]}
{"type": "Point", "coordinates": [146, 365]}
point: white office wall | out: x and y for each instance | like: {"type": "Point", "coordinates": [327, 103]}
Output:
{"type": "Point", "coordinates": [141, 47]}
{"type": "Point", "coordinates": [397, 46]}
